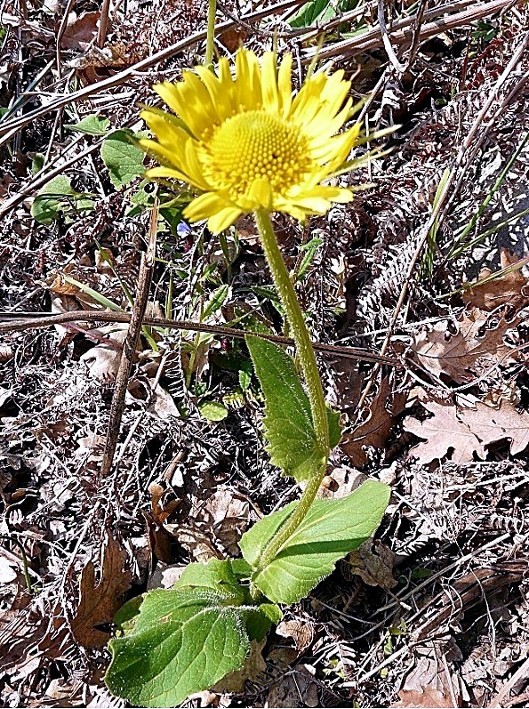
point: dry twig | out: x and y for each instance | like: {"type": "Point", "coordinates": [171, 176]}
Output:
{"type": "Point", "coordinates": [130, 345]}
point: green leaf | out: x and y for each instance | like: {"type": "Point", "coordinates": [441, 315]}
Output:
{"type": "Point", "coordinates": [122, 157]}
{"type": "Point", "coordinates": [241, 568]}
{"type": "Point", "coordinates": [331, 529]}
{"type": "Point", "coordinates": [245, 379]}
{"type": "Point", "coordinates": [213, 410]}
{"type": "Point", "coordinates": [312, 11]}
{"type": "Point", "coordinates": [98, 297]}
{"type": "Point", "coordinates": [216, 301]}
{"type": "Point", "coordinates": [91, 125]}
{"type": "Point", "coordinates": [214, 575]}
{"type": "Point", "coordinates": [58, 197]}
{"type": "Point", "coordinates": [292, 443]}
{"type": "Point", "coordinates": [224, 575]}
{"type": "Point", "coordinates": [37, 163]}
{"type": "Point", "coordinates": [181, 642]}
{"type": "Point", "coordinates": [310, 249]}
{"type": "Point", "coordinates": [335, 430]}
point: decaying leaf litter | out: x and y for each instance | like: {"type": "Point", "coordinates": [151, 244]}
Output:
{"type": "Point", "coordinates": [434, 611]}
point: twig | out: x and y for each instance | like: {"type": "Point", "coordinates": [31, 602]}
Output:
{"type": "Point", "coordinates": [35, 183]}
{"type": "Point", "coordinates": [416, 38]}
{"type": "Point", "coordinates": [60, 32]}
{"type": "Point", "coordinates": [130, 345]}
{"type": "Point", "coordinates": [103, 24]}
{"type": "Point", "coordinates": [25, 565]}
{"type": "Point", "coordinates": [37, 321]}
{"type": "Point", "coordinates": [402, 31]}
{"type": "Point", "coordinates": [386, 40]}
{"type": "Point", "coordinates": [482, 127]}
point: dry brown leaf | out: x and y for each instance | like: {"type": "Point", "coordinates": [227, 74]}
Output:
{"type": "Point", "coordinates": [492, 425]}
{"type": "Point", "coordinates": [444, 430]}
{"type": "Point", "coordinates": [507, 288]}
{"type": "Point", "coordinates": [467, 430]}
{"type": "Point", "coordinates": [432, 682]}
{"type": "Point", "coordinates": [162, 509]}
{"type": "Point", "coordinates": [228, 514]}
{"type": "Point", "coordinates": [103, 360]}
{"type": "Point", "coordinates": [476, 346]}
{"type": "Point", "coordinates": [296, 689]}
{"type": "Point", "coordinates": [375, 430]}
{"type": "Point", "coordinates": [100, 601]}
{"type": "Point", "coordinates": [427, 698]}
{"type": "Point", "coordinates": [80, 31]}
{"type": "Point", "coordinates": [301, 632]}
{"type": "Point", "coordinates": [373, 562]}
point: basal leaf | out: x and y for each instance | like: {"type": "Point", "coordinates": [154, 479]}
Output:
{"type": "Point", "coordinates": [214, 575]}
{"type": "Point", "coordinates": [122, 157]}
{"type": "Point", "coordinates": [182, 641]}
{"type": "Point", "coordinates": [331, 529]}
{"type": "Point", "coordinates": [288, 425]}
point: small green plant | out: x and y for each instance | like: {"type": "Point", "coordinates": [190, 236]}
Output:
{"type": "Point", "coordinates": [248, 146]}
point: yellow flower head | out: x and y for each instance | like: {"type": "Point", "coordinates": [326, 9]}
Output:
{"type": "Point", "coordinates": [247, 143]}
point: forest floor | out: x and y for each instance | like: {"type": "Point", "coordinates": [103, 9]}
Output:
{"type": "Point", "coordinates": [421, 285]}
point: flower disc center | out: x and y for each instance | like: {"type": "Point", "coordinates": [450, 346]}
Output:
{"type": "Point", "coordinates": [256, 144]}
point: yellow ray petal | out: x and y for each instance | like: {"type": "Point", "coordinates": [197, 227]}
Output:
{"type": "Point", "coordinates": [223, 219]}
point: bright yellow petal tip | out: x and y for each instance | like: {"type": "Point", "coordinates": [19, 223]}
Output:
{"type": "Point", "coordinates": [246, 143]}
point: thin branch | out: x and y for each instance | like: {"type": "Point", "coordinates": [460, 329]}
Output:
{"type": "Point", "coordinates": [38, 321]}
{"type": "Point", "coordinates": [130, 346]}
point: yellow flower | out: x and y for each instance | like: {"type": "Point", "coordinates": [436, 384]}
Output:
{"type": "Point", "coordinates": [246, 143]}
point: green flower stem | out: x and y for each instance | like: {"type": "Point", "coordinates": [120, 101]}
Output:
{"type": "Point", "coordinates": [210, 36]}
{"type": "Point", "coordinates": [309, 368]}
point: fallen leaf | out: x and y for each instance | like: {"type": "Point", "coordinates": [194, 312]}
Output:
{"type": "Point", "coordinates": [443, 431]}
{"type": "Point", "coordinates": [80, 31]}
{"type": "Point", "coordinates": [376, 429]}
{"type": "Point", "coordinates": [475, 347]}
{"type": "Point", "coordinates": [428, 698]}
{"type": "Point", "coordinates": [233, 38]}
{"type": "Point", "coordinates": [505, 287]}
{"type": "Point", "coordinates": [297, 689]}
{"type": "Point", "coordinates": [467, 430]}
{"type": "Point", "coordinates": [432, 682]}
{"type": "Point", "coordinates": [103, 360]}
{"type": "Point", "coordinates": [373, 562]}
{"type": "Point", "coordinates": [100, 601]}
{"type": "Point", "coordinates": [492, 425]}
{"type": "Point", "coordinates": [301, 632]}
{"type": "Point", "coordinates": [162, 509]}
{"type": "Point", "coordinates": [228, 513]}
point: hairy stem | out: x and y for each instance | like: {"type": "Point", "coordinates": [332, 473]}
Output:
{"type": "Point", "coordinates": [309, 368]}
{"type": "Point", "coordinates": [210, 36]}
